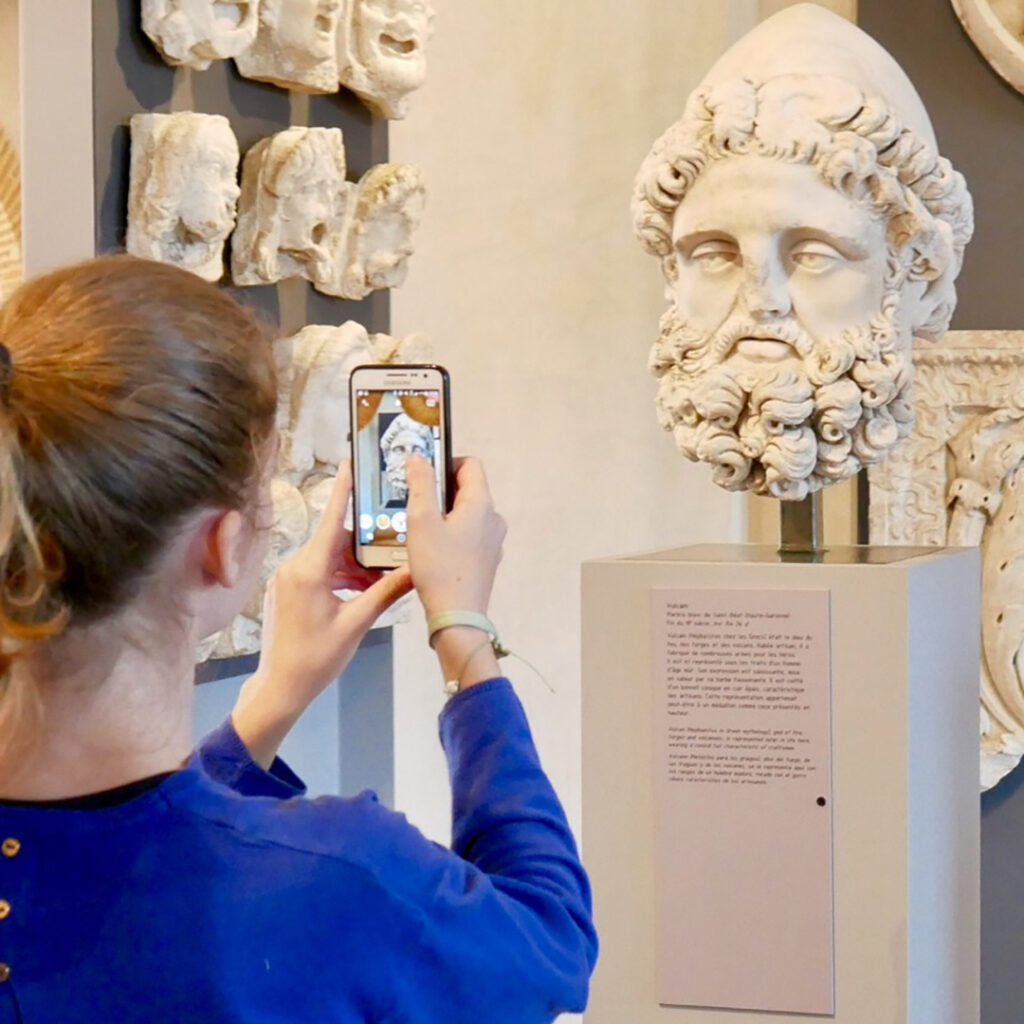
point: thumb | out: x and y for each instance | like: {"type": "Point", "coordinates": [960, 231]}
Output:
{"type": "Point", "coordinates": [422, 487]}
{"type": "Point", "coordinates": [364, 610]}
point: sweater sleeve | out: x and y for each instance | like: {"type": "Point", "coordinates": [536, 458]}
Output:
{"type": "Point", "coordinates": [226, 759]}
{"type": "Point", "coordinates": [502, 923]}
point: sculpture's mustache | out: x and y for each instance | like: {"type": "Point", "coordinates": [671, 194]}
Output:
{"type": "Point", "coordinates": [743, 328]}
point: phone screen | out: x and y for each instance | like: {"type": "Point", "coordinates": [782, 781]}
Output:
{"type": "Point", "coordinates": [390, 426]}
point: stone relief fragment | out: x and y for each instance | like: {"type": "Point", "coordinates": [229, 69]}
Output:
{"type": "Point", "coordinates": [382, 54]}
{"type": "Point", "coordinates": [298, 216]}
{"type": "Point", "coordinates": [194, 33]}
{"type": "Point", "coordinates": [958, 480]}
{"type": "Point", "coordinates": [313, 425]}
{"type": "Point", "coordinates": [10, 218]}
{"type": "Point", "coordinates": [373, 248]}
{"type": "Point", "coordinates": [183, 190]}
{"type": "Point", "coordinates": [996, 28]}
{"type": "Point", "coordinates": [293, 203]}
{"type": "Point", "coordinates": [296, 45]}
{"type": "Point", "coordinates": [784, 357]}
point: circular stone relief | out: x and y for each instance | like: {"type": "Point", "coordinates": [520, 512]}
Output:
{"type": "Point", "coordinates": [997, 29]}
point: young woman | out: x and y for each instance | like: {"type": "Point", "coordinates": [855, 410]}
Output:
{"type": "Point", "coordinates": [140, 881]}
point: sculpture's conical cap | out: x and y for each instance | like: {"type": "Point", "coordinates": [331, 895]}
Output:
{"type": "Point", "coordinates": [807, 39]}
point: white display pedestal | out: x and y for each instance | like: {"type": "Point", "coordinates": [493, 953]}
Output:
{"type": "Point", "coordinates": [903, 789]}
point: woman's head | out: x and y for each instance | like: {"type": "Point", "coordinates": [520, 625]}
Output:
{"type": "Point", "coordinates": [138, 396]}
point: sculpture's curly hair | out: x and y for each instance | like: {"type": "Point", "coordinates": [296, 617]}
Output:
{"type": "Point", "coordinates": [857, 144]}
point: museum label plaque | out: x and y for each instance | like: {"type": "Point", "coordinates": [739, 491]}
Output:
{"type": "Point", "coordinates": [743, 791]}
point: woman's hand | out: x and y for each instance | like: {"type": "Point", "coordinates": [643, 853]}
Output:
{"type": "Point", "coordinates": [453, 560]}
{"type": "Point", "coordinates": [309, 635]}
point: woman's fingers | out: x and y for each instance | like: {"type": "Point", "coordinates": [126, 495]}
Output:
{"type": "Point", "coordinates": [331, 536]}
{"type": "Point", "coordinates": [363, 611]}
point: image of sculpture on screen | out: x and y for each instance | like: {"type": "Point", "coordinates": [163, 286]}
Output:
{"type": "Point", "coordinates": [194, 33]}
{"type": "Point", "coordinates": [183, 190]}
{"type": "Point", "coordinates": [784, 356]}
{"type": "Point", "coordinates": [402, 437]}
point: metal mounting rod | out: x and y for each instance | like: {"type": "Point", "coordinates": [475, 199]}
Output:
{"type": "Point", "coordinates": [801, 525]}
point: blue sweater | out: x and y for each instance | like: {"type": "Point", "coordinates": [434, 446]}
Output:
{"type": "Point", "coordinates": [223, 895]}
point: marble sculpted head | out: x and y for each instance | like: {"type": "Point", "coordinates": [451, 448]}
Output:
{"type": "Point", "coordinates": [183, 190]}
{"type": "Point", "coordinates": [808, 231]}
{"type": "Point", "coordinates": [374, 249]}
{"type": "Point", "coordinates": [194, 33]}
{"type": "Point", "coordinates": [382, 51]}
{"type": "Point", "coordinates": [292, 184]}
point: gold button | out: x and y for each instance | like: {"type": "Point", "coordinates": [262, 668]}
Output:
{"type": "Point", "coordinates": [10, 847]}
{"type": "Point", "coordinates": [5, 973]}
{"type": "Point", "coordinates": [5, 909]}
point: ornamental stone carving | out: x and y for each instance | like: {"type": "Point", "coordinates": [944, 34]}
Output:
{"type": "Point", "coordinates": [293, 203]}
{"type": "Point", "coordinates": [996, 27]}
{"type": "Point", "coordinates": [10, 218]}
{"type": "Point", "coordinates": [807, 230]}
{"type": "Point", "coordinates": [194, 33]}
{"type": "Point", "coordinates": [298, 216]}
{"type": "Point", "coordinates": [958, 480]}
{"type": "Point", "coordinates": [296, 45]}
{"type": "Point", "coordinates": [376, 240]}
{"type": "Point", "coordinates": [183, 190]}
{"type": "Point", "coordinates": [382, 51]}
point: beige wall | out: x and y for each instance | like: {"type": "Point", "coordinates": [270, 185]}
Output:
{"type": "Point", "coordinates": [539, 300]}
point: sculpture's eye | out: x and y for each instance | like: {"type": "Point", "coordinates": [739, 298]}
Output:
{"type": "Point", "coordinates": [715, 255]}
{"type": "Point", "coordinates": [815, 256]}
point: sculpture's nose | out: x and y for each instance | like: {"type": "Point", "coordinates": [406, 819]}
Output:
{"type": "Point", "coordinates": [766, 288]}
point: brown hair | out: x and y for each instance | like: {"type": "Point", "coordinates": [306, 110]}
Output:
{"type": "Point", "coordinates": [137, 394]}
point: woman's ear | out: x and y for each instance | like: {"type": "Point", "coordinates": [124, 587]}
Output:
{"type": "Point", "coordinates": [224, 552]}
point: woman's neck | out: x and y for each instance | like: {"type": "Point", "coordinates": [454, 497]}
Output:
{"type": "Point", "coordinates": [102, 712]}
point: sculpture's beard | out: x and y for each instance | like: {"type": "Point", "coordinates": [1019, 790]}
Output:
{"type": "Point", "coordinates": [790, 427]}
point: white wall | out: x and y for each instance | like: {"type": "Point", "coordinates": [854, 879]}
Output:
{"type": "Point", "coordinates": [537, 297]}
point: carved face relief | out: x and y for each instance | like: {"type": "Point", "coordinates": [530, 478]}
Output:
{"type": "Point", "coordinates": [194, 33]}
{"type": "Point", "coordinates": [183, 190]}
{"type": "Point", "coordinates": [292, 207]}
{"type": "Point", "coordinates": [322, 358]}
{"type": "Point", "coordinates": [296, 46]}
{"type": "Point", "coordinates": [375, 250]}
{"type": "Point", "coordinates": [383, 51]}
{"type": "Point", "coordinates": [779, 364]}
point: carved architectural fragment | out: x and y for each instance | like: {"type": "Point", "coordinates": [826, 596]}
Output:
{"type": "Point", "coordinates": [183, 190]}
{"type": "Point", "coordinates": [382, 51]}
{"type": "Point", "coordinates": [997, 29]}
{"type": "Point", "coordinates": [296, 45]}
{"type": "Point", "coordinates": [784, 358]}
{"type": "Point", "coordinates": [294, 202]}
{"type": "Point", "coordinates": [298, 216]}
{"type": "Point", "coordinates": [958, 480]}
{"type": "Point", "coordinates": [373, 248]}
{"type": "Point", "coordinates": [194, 33]}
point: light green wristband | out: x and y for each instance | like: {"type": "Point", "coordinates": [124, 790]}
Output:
{"type": "Point", "coordinates": [475, 620]}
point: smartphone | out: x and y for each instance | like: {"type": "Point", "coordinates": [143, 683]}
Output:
{"type": "Point", "coordinates": [396, 411]}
